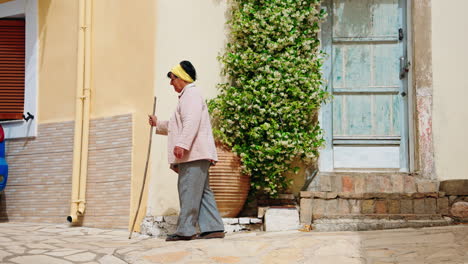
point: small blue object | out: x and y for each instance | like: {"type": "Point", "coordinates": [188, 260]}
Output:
{"type": "Point", "coordinates": [3, 167]}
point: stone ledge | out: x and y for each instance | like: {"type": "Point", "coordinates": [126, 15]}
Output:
{"type": "Point", "coordinates": [382, 216]}
{"type": "Point", "coordinates": [454, 187]}
{"type": "Point", "coordinates": [363, 196]}
{"type": "Point", "coordinates": [329, 225]}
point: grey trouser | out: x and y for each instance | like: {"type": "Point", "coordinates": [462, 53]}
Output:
{"type": "Point", "coordinates": [197, 203]}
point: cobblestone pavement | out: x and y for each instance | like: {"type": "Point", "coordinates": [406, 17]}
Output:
{"type": "Point", "coordinates": [51, 244]}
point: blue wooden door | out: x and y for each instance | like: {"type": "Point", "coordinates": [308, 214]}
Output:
{"type": "Point", "coordinates": [366, 75]}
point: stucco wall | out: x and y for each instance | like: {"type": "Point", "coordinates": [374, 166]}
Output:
{"type": "Point", "coordinates": [122, 74]}
{"type": "Point", "coordinates": [186, 30]}
{"type": "Point", "coordinates": [450, 112]}
{"type": "Point", "coordinates": [122, 68]}
{"type": "Point", "coordinates": [58, 38]}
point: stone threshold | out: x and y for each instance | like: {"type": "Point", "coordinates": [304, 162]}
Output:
{"type": "Point", "coordinates": [365, 224]}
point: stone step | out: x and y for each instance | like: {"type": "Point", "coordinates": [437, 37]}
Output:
{"type": "Point", "coordinates": [316, 206]}
{"type": "Point", "coordinates": [358, 182]}
{"type": "Point", "coordinates": [364, 224]}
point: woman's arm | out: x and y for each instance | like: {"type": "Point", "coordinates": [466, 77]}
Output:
{"type": "Point", "coordinates": [191, 107]}
{"type": "Point", "coordinates": [161, 126]}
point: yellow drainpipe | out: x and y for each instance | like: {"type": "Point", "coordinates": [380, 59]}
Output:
{"type": "Point", "coordinates": [82, 112]}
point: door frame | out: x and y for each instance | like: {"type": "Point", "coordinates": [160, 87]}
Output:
{"type": "Point", "coordinates": [407, 149]}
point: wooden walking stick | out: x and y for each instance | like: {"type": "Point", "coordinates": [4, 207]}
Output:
{"type": "Point", "coordinates": [146, 172]}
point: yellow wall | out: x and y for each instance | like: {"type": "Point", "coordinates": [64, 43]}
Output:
{"type": "Point", "coordinates": [58, 36]}
{"type": "Point", "coordinates": [123, 66]}
{"type": "Point", "coordinates": [195, 31]}
{"type": "Point", "coordinates": [450, 114]}
{"type": "Point", "coordinates": [123, 34]}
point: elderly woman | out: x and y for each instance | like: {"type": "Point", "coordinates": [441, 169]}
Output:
{"type": "Point", "coordinates": [191, 152]}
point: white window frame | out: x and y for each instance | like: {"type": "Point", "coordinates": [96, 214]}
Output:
{"type": "Point", "coordinates": [28, 8]}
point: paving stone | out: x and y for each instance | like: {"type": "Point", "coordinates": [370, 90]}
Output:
{"type": "Point", "coordinates": [380, 253]}
{"type": "Point", "coordinates": [281, 219]}
{"type": "Point", "coordinates": [109, 259]}
{"type": "Point", "coordinates": [426, 245]}
{"type": "Point", "coordinates": [16, 249]}
{"type": "Point", "coordinates": [86, 256]}
{"type": "Point", "coordinates": [39, 259]}
{"type": "Point", "coordinates": [5, 239]}
{"type": "Point", "coordinates": [406, 206]}
{"type": "Point", "coordinates": [36, 251]}
{"type": "Point", "coordinates": [226, 259]}
{"type": "Point", "coordinates": [335, 260]}
{"type": "Point", "coordinates": [40, 246]}
{"type": "Point", "coordinates": [4, 254]}
{"type": "Point", "coordinates": [283, 255]}
{"type": "Point", "coordinates": [168, 257]}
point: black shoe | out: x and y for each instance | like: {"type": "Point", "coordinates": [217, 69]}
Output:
{"type": "Point", "coordinates": [175, 237]}
{"type": "Point", "coordinates": [212, 234]}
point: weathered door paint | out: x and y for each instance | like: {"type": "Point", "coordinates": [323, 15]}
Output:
{"type": "Point", "coordinates": [366, 122]}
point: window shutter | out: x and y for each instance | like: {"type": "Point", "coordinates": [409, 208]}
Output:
{"type": "Point", "coordinates": [12, 69]}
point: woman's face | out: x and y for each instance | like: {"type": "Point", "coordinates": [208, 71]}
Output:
{"type": "Point", "coordinates": [177, 83]}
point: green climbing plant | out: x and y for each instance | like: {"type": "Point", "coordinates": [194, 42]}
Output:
{"type": "Point", "coordinates": [266, 111]}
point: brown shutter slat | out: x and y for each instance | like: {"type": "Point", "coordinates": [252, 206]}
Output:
{"type": "Point", "coordinates": [11, 116]}
{"type": "Point", "coordinates": [12, 68]}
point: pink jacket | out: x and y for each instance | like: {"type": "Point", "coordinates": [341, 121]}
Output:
{"type": "Point", "coordinates": [189, 128]}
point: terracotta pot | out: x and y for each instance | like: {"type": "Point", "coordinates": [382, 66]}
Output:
{"type": "Point", "coordinates": [229, 185]}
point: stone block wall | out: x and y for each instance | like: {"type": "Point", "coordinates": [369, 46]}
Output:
{"type": "Point", "coordinates": [316, 205]}
{"type": "Point", "coordinates": [40, 170]}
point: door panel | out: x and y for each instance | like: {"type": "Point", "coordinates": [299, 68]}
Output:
{"type": "Point", "coordinates": [365, 18]}
{"type": "Point", "coordinates": [368, 111]}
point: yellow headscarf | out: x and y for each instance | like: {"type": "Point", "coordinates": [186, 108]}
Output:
{"type": "Point", "coordinates": [179, 72]}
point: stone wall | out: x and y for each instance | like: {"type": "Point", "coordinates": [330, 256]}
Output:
{"type": "Point", "coordinates": [40, 170]}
